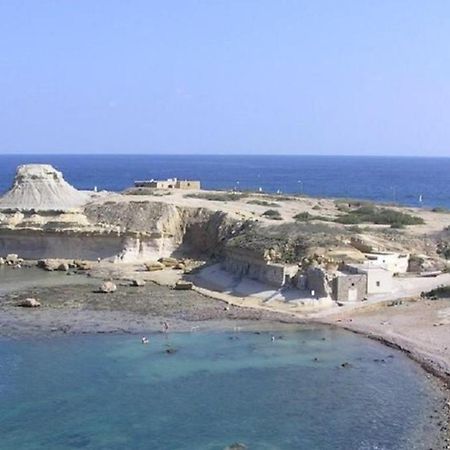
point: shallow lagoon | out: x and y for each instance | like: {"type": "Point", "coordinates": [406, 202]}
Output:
{"type": "Point", "coordinates": [112, 392]}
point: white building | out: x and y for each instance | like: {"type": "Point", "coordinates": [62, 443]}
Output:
{"type": "Point", "coordinates": [394, 262]}
{"type": "Point", "coordinates": [379, 279]}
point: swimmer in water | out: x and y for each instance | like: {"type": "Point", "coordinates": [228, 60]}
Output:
{"type": "Point", "coordinates": [144, 340]}
{"type": "Point", "coordinates": [272, 338]}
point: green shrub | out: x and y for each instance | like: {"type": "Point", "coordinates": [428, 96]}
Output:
{"type": "Point", "coordinates": [439, 209]}
{"type": "Point", "coordinates": [306, 217]}
{"type": "Point", "coordinates": [272, 214]}
{"type": "Point", "coordinates": [379, 216]}
{"type": "Point", "coordinates": [263, 203]}
{"type": "Point", "coordinates": [217, 197]}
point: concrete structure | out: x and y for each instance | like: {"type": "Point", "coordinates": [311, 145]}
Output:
{"type": "Point", "coordinates": [350, 287]}
{"type": "Point", "coordinates": [274, 274]}
{"type": "Point", "coordinates": [170, 183]}
{"type": "Point", "coordinates": [379, 279]}
{"type": "Point", "coordinates": [394, 262]}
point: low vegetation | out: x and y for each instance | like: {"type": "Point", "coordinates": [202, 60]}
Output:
{"type": "Point", "coordinates": [263, 203]}
{"type": "Point", "coordinates": [442, 210]}
{"type": "Point", "coordinates": [440, 292]}
{"type": "Point", "coordinates": [272, 214]}
{"type": "Point", "coordinates": [218, 196]}
{"type": "Point", "coordinates": [307, 217]}
{"type": "Point", "coordinates": [379, 216]}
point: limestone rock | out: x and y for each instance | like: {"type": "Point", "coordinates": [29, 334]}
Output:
{"type": "Point", "coordinates": [29, 303]}
{"type": "Point", "coordinates": [168, 261]}
{"type": "Point", "coordinates": [41, 187]}
{"type": "Point", "coordinates": [53, 264]}
{"type": "Point", "coordinates": [137, 282]}
{"type": "Point", "coordinates": [12, 258]}
{"type": "Point", "coordinates": [183, 285]}
{"type": "Point", "coordinates": [107, 287]}
{"type": "Point", "coordinates": [179, 266]}
{"type": "Point", "coordinates": [83, 265]}
{"type": "Point", "coordinates": [63, 267]}
{"type": "Point", "coordinates": [2, 261]}
{"type": "Point", "coordinates": [154, 266]}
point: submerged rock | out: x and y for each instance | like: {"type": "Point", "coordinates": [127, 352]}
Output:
{"type": "Point", "coordinates": [236, 446]}
{"type": "Point", "coordinates": [107, 287]}
{"type": "Point", "coordinates": [29, 303]}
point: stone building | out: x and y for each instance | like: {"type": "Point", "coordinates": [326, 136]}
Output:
{"type": "Point", "coordinates": [379, 279]}
{"type": "Point", "coordinates": [170, 183]}
{"type": "Point", "coordinates": [350, 287]}
{"type": "Point", "coordinates": [243, 264]}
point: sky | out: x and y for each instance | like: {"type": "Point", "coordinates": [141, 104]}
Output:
{"type": "Point", "coordinates": [361, 77]}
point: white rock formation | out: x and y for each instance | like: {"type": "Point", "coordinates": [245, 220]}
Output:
{"type": "Point", "coordinates": [41, 187]}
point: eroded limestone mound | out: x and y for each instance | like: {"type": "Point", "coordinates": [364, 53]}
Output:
{"type": "Point", "coordinates": [41, 187]}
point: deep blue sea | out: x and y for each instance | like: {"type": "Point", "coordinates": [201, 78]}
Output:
{"type": "Point", "coordinates": [104, 392]}
{"type": "Point", "coordinates": [386, 179]}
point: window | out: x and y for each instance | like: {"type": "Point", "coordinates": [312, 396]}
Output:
{"type": "Point", "coordinates": [378, 284]}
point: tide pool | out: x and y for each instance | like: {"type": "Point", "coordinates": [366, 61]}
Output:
{"type": "Point", "coordinates": [205, 391]}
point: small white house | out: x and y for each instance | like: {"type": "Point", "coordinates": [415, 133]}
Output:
{"type": "Point", "coordinates": [394, 262]}
{"type": "Point", "coordinates": [379, 279]}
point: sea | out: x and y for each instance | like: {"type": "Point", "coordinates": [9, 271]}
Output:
{"type": "Point", "coordinates": [420, 182]}
{"type": "Point", "coordinates": [309, 389]}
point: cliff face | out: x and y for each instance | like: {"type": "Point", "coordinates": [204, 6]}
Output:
{"type": "Point", "coordinates": [118, 228]}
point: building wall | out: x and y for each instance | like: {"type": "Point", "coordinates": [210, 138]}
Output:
{"type": "Point", "coordinates": [316, 281]}
{"type": "Point", "coordinates": [378, 281]}
{"type": "Point", "coordinates": [188, 184]}
{"type": "Point", "coordinates": [345, 284]}
{"type": "Point", "coordinates": [273, 274]}
{"type": "Point", "coordinates": [394, 262]}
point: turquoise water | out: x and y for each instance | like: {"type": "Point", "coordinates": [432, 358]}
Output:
{"type": "Point", "coordinates": [112, 392]}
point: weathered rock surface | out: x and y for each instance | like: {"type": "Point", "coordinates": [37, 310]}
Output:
{"type": "Point", "coordinates": [183, 285]}
{"type": "Point", "coordinates": [107, 287]}
{"type": "Point", "coordinates": [137, 282]}
{"type": "Point", "coordinates": [154, 266]}
{"type": "Point", "coordinates": [41, 187]}
{"type": "Point", "coordinates": [29, 303]}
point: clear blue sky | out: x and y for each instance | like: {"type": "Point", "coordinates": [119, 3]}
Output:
{"type": "Point", "coordinates": [243, 76]}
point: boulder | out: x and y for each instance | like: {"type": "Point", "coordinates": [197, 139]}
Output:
{"type": "Point", "coordinates": [63, 267]}
{"type": "Point", "coordinates": [83, 265]}
{"type": "Point", "coordinates": [49, 264]}
{"type": "Point", "coordinates": [179, 266]}
{"type": "Point", "coordinates": [168, 261]}
{"type": "Point", "coordinates": [12, 258]}
{"type": "Point", "coordinates": [107, 287]}
{"type": "Point", "coordinates": [183, 285]}
{"type": "Point", "coordinates": [137, 282]}
{"type": "Point", "coordinates": [154, 266]}
{"type": "Point", "coordinates": [2, 261]}
{"type": "Point", "coordinates": [29, 303]}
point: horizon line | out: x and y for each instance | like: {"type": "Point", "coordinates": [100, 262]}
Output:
{"type": "Point", "coordinates": [227, 154]}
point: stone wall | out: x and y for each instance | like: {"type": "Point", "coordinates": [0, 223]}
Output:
{"type": "Point", "coordinates": [350, 288]}
{"type": "Point", "coordinates": [269, 273]}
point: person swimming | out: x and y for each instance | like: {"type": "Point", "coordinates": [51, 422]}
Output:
{"type": "Point", "coordinates": [144, 340]}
